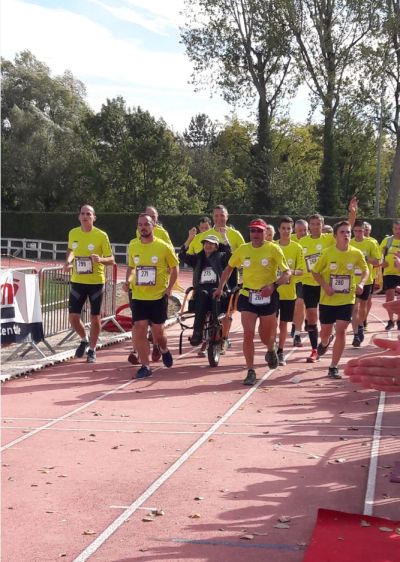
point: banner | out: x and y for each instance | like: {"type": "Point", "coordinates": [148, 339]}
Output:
{"type": "Point", "coordinates": [21, 315]}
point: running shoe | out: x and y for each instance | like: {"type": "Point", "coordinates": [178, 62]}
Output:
{"type": "Point", "coordinates": [322, 349]}
{"type": "Point", "coordinates": [389, 325]}
{"type": "Point", "coordinates": [271, 358]}
{"type": "Point", "coordinates": [360, 333]}
{"type": "Point", "coordinates": [167, 359]}
{"type": "Point", "coordinates": [356, 341]}
{"type": "Point", "coordinates": [156, 354]}
{"type": "Point", "coordinates": [297, 341]}
{"type": "Point", "coordinates": [133, 358]}
{"type": "Point", "coordinates": [144, 372]}
{"type": "Point", "coordinates": [251, 378]}
{"type": "Point", "coordinates": [313, 357]}
{"type": "Point", "coordinates": [91, 356]}
{"type": "Point", "coordinates": [281, 359]}
{"type": "Point", "coordinates": [81, 349]}
{"type": "Point", "coordinates": [333, 373]}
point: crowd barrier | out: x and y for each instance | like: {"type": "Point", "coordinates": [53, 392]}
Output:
{"type": "Point", "coordinates": [54, 287]}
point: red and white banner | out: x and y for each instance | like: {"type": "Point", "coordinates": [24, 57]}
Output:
{"type": "Point", "coordinates": [21, 315]}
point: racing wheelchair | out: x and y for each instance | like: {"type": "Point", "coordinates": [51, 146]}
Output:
{"type": "Point", "coordinates": [215, 337]}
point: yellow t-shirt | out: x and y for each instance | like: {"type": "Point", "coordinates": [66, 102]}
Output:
{"type": "Point", "coordinates": [338, 269]}
{"type": "Point", "coordinates": [83, 244]}
{"type": "Point", "coordinates": [376, 270]}
{"type": "Point", "coordinates": [233, 235]}
{"type": "Point", "coordinates": [370, 251]}
{"type": "Point", "coordinates": [260, 265]}
{"type": "Point", "coordinates": [293, 253]}
{"type": "Point", "coordinates": [150, 263]}
{"type": "Point", "coordinates": [159, 232]}
{"type": "Point", "coordinates": [391, 269]}
{"type": "Point", "coordinates": [312, 249]}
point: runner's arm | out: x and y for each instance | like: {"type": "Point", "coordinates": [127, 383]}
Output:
{"type": "Point", "coordinates": [224, 278]}
{"type": "Point", "coordinates": [173, 276]}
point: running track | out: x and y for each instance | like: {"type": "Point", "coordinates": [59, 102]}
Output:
{"type": "Point", "coordinates": [89, 452]}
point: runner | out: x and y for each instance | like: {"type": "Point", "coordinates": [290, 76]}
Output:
{"type": "Point", "coordinates": [89, 250]}
{"type": "Point", "coordinates": [151, 274]}
{"type": "Point", "coordinates": [270, 233]}
{"type": "Point", "coordinates": [335, 272]}
{"type": "Point", "coordinates": [372, 256]}
{"type": "Point", "coordinates": [204, 224]}
{"type": "Point", "coordinates": [312, 248]}
{"type": "Point", "coordinates": [377, 271]}
{"type": "Point", "coordinates": [208, 266]}
{"type": "Point", "coordinates": [300, 230]}
{"type": "Point", "coordinates": [390, 246]}
{"type": "Point", "coordinates": [293, 253]}
{"type": "Point", "coordinates": [258, 297]}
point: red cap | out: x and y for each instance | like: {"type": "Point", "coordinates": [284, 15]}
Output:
{"type": "Point", "coordinates": [258, 223]}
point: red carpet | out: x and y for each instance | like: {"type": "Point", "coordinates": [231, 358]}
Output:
{"type": "Point", "coordinates": [347, 537]}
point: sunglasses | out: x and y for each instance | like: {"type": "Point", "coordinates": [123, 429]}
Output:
{"type": "Point", "coordinates": [256, 230]}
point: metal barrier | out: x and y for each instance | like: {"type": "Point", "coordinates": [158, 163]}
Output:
{"type": "Point", "coordinates": [54, 286]}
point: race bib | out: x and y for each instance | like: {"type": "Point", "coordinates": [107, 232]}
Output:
{"type": "Point", "coordinates": [257, 299]}
{"type": "Point", "coordinates": [311, 260]}
{"type": "Point", "coordinates": [208, 275]}
{"type": "Point", "coordinates": [83, 266]}
{"type": "Point", "coordinates": [340, 283]}
{"type": "Point", "coordinates": [146, 275]}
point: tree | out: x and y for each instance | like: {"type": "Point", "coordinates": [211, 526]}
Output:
{"type": "Point", "coordinates": [242, 47]}
{"type": "Point", "coordinates": [328, 34]}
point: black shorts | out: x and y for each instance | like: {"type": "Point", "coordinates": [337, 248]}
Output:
{"type": "Point", "coordinates": [367, 292]}
{"type": "Point", "coordinates": [243, 305]}
{"type": "Point", "coordinates": [329, 314]}
{"type": "Point", "coordinates": [390, 281]}
{"type": "Point", "coordinates": [311, 295]}
{"type": "Point", "coordinates": [152, 311]}
{"type": "Point", "coordinates": [286, 310]}
{"type": "Point", "coordinates": [80, 292]}
{"type": "Point", "coordinates": [299, 290]}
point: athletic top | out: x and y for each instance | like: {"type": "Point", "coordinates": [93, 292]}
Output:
{"type": "Point", "coordinates": [233, 235]}
{"type": "Point", "coordinates": [260, 265]}
{"type": "Point", "coordinates": [150, 264]}
{"type": "Point", "coordinates": [293, 253]}
{"type": "Point", "coordinates": [391, 269]}
{"type": "Point", "coordinates": [338, 269]}
{"type": "Point", "coordinates": [370, 250]}
{"type": "Point", "coordinates": [312, 249]}
{"type": "Point", "coordinates": [83, 244]}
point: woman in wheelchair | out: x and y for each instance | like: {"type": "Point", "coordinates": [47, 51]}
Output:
{"type": "Point", "coordinates": [208, 266]}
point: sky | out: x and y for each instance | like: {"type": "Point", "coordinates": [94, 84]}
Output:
{"type": "Point", "coordinates": [128, 48]}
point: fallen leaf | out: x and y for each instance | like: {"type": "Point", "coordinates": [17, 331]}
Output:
{"type": "Point", "coordinates": [247, 537]}
{"type": "Point", "coordinates": [195, 516]}
{"type": "Point", "coordinates": [198, 498]}
{"type": "Point", "coordinates": [365, 523]}
{"type": "Point", "coordinates": [62, 554]}
{"type": "Point", "coordinates": [136, 450]}
{"type": "Point", "coordinates": [282, 526]}
{"type": "Point", "coordinates": [62, 476]}
{"type": "Point", "coordinates": [49, 511]}
{"type": "Point", "coordinates": [352, 429]}
{"type": "Point", "coordinates": [386, 529]}
{"type": "Point", "coordinates": [313, 457]}
{"type": "Point", "coordinates": [89, 532]}
{"type": "Point", "coordinates": [158, 512]}
{"type": "Point", "coordinates": [115, 447]}
{"type": "Point", "coordinates": [148, 518]}
{"type": "Point", "coordinates": [284, 519]}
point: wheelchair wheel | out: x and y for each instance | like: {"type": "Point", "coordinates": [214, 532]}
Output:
{"type": "Point", "coordinates": [214, 346]}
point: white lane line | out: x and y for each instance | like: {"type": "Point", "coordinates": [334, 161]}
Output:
{"type": "Point", "coordinates": [69, 414]}
{"type": "Point", "coordinates": [373, 465]}
{"type": "Point", "coordinates": [114, 526]}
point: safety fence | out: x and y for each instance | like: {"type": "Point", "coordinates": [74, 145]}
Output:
{"type": "Point", "coordinates": [54, 287]}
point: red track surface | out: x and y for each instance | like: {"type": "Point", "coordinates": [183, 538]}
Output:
{"type": "Point", "coordinates": [89, 452]}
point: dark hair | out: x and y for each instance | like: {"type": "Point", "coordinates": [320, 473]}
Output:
{"type": "Point", "coordinates": [285, 218]}
{"type": "Point", "coordinates": [205, 219]}
{"type": "Point", "coordinates": [339, 224]}
{"type": "Point", "coordinates": [317, 216]}
{"type": "Point", "coordinates": [359, 222]}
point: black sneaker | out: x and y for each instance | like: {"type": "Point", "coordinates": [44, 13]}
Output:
{"type": "Point", "coordinates": [356, 341]}
{"type": "Point", "coordinates": [144, 372]}
{"type": "Point", "coordinates": [389, 325]}
{"type": "Point", "coordinates": [81, 349]}
{"type": "Point", "coordinates": [91, 356]}
{"type": "Point", "coordinates": [271, 358]}
{"type": "Point", "coordinates": [297, 341]}
{"type": "Point", "coordinates": [360, 333]}
{"type": "Point", "coordinates": [281, 359]}
{"type": "Point", "coordinates": [167, 359]}
{"type": "Point", "coordinates": [322, 349]}
{"type": "Point", "coordinates": [333, 373]}
{"type": "Point", "coordinates": [251, 378]}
